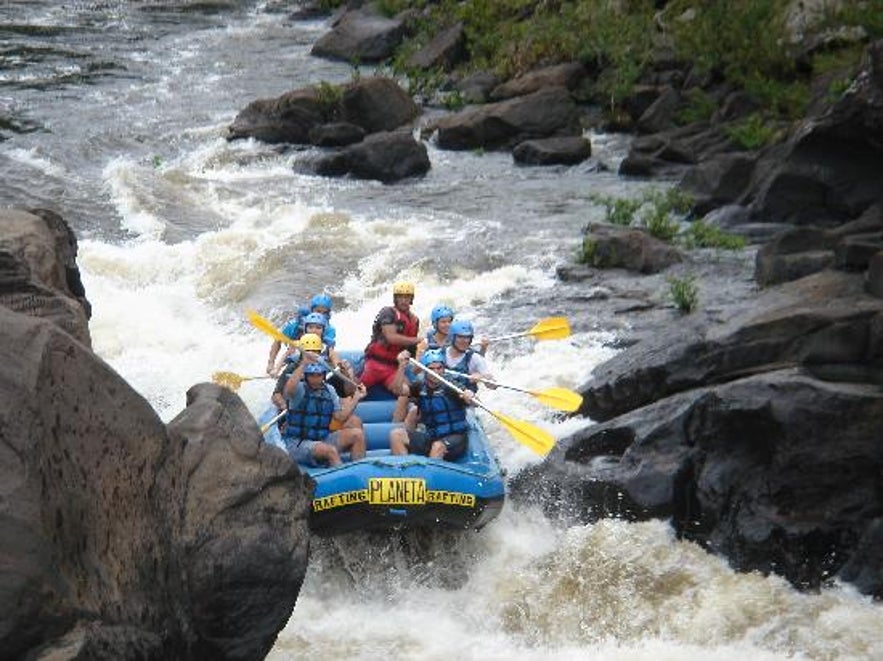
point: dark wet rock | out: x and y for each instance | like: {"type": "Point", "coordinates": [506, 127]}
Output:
{"type": "Point", "coordinates": [864, 569]}
{"type": "Point", "coordinates": [793, 254]}
{"type": "Point", "coordinates": [829, 171]}
{"type": "Point", "coordinates": [548, 113]}
{"type": "Point", "coordinates": [38, 270]}
{"type": "Point", "coordinates": [361, 35]}
{"type": "Point", "coordinates": [553, 151]}
{"type": "Point", "coordinates": [243, 541]}
{"type": "Point", "coordinates": [629, 248]}
{"type": "Point", "coordinates": [476, 87]}
{"type": "Point", "coordinates": [660, 115]}
{"type": "Point", "coordinates": [874, 278]}
{"type": "Point", "coordinates": [722, 179]}
{"type": "Point", "coordinates": [288, 118]}
{"type": "Point", "coordinates": [854, 252]}
{"type": "Point", "coordinates": [668, 153]}
{"type": "Point", "coordinates": [373, 104]}
{"type": "Point", "coordinates": [336, 134]}
{"type": "Point", "coordinates": [798, 324]}
{"type": "Point", "coordinates": [446, 50]}
{"type": "Point", "coordinates": [385, 157]}
{"type": "Point", "coordinates": [123, 538]}
{"type": "Point", "coordinates": [745, 468]}
{"type": "Point", "coordinates": [736, 219]}
{"type": "Point", "coordinates": [377, 104]}
{"type": "Point", "coordinates": [568, 75]}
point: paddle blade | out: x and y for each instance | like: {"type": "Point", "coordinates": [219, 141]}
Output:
{"type": "Point", "coordinates": [229, 380]}
{"type": "Point", "coordinates": [559, 398]}
{"type": "Point", "coordinates": [534, 438]}
{"type": "Point", "coordinates": [551, 328]}
{"type": "Point", "coordinates": [267, 327]}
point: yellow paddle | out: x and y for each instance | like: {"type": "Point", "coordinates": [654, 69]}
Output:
{"type": "Point", "coordinates": [232, 380]}
{"type": "Point", "coordinates": [550, 328]}
{"type": "Point", "coordinates": [525, 433]}
{"type": "Point", "coordinates": [265, 325]}
{"type": "Point", "coordinates": [558, 398]}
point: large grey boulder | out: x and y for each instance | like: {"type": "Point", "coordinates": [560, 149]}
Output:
{"type": "Point", "coordinates": [120, 537]}
{"type": "Point", "coordinates": [38, 270]}
{"type": "Point", "coordinates": [302, 116]}
{"type": "Point", "coordinates": [386, 157]}
{"type": "Point", "coordinates": [547, 113]}
{"type": "Point", "coordinates": [361, 35]}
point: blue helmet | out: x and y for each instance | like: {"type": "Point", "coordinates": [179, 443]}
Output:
{"type": "Point", "coordinates": [321, 301]}
{"type": "Point", "coordinates": [315, 368]}
{"type": "Point", "coordinates": [316, 318]}
{"type": "Point", "coordinates": [461, 327]}
{"type": "Point", "coordinates": [440, 312]}
{"type": "Point", "coordinates": [302, 310]}
{"type": "Point", "coordinates": [432, 356]}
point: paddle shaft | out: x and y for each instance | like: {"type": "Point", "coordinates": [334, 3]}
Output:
{"type": "Point", "coordinates": [491, 383]}
{"type": "Point", "coordinates": [450, 385]}
{"type": "Point", "coordinates": [267, 425]}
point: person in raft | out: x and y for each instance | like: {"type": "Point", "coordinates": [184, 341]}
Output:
{"type": "Point", "coordinates": [438, 336]}
{"type": "Point", "coordinates": [294, 328]}
{"type": "Point", "coordinates": [312, 405]}
{"type": "Point", "coordinates": [395, 328]}
{"type": "Point", "coordinates": [460, 357]}
{"type": "Point", "coordinates": [439, 409]}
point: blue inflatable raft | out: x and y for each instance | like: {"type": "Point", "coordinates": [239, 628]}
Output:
{"type": "Point", "coordinates": [387, 492]}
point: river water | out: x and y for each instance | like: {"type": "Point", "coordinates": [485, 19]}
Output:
{"type": "Point", "coordinates": [114, 115]}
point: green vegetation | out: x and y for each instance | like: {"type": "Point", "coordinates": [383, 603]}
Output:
{"type": "Point", "coordinates": [702, 235]}
{"type": "Point", "coordinates": [684, 292]}
{"type": "Point", "coordinates": [328, 97]}
{"type": "Point", "coordinates": [700, 106]}
{"type": "Point", "coordinates": [618, 210]}
{"type": "Point", "coordinates": [738, 45]}
{"type": "Point", "coordinates": [655, 210]}
{"type": "Point", "coordinates": [753, 132]}
{"type": "Point", "coordinates": [660, 212]}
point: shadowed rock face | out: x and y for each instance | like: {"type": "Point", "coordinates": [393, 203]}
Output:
{"type": "Point", "coordinates": [120, 537]}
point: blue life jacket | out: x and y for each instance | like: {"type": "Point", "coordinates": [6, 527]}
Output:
{"type": "Point", "coordinates": [430, 340]}
{"type": "Point", "coordinates": [463, 368]}
{"type": "Point", "coordinates": [310, 418]}
{"type": "Point", "coordinates": [442, 412]}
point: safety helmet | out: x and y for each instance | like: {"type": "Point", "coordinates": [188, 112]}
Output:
{"type": "Point", "coordinates": [316, 318]}
{"type": "Point", "coordinates": [432, 356]}
{"type": "Point", "coordinates": [440, 312]}
{"type": "Point", "coordinates": [315, 368]}
{"type": "Point", "coordinates": [311, 342]}
{"type": "Point", "coordinates": [403, 289]}
{"type": "Point", "coordinates": [321, 301]}
{"type": "Point", "coordinates": [461, 327]}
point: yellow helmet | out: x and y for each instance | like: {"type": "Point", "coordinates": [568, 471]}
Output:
{"type": "Point", "coordinates": [403, 289]}
{"type": "Point", "coordinates": [311, 342]}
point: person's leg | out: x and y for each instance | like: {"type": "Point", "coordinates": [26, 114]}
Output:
{"type": "Point", "coordinates": [398, 440]}
{"type": "Point", "coordinates": [376, 372]}
{"type": "Point", "coordinates": [350, 440]}
{"type": "Point", "coordinates": [326, 453]}
{"type": "Point", "coordinates": [453, 446]}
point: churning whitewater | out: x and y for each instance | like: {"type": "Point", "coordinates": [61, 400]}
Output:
{"type": "Point", "coordinates": [122, 123]}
